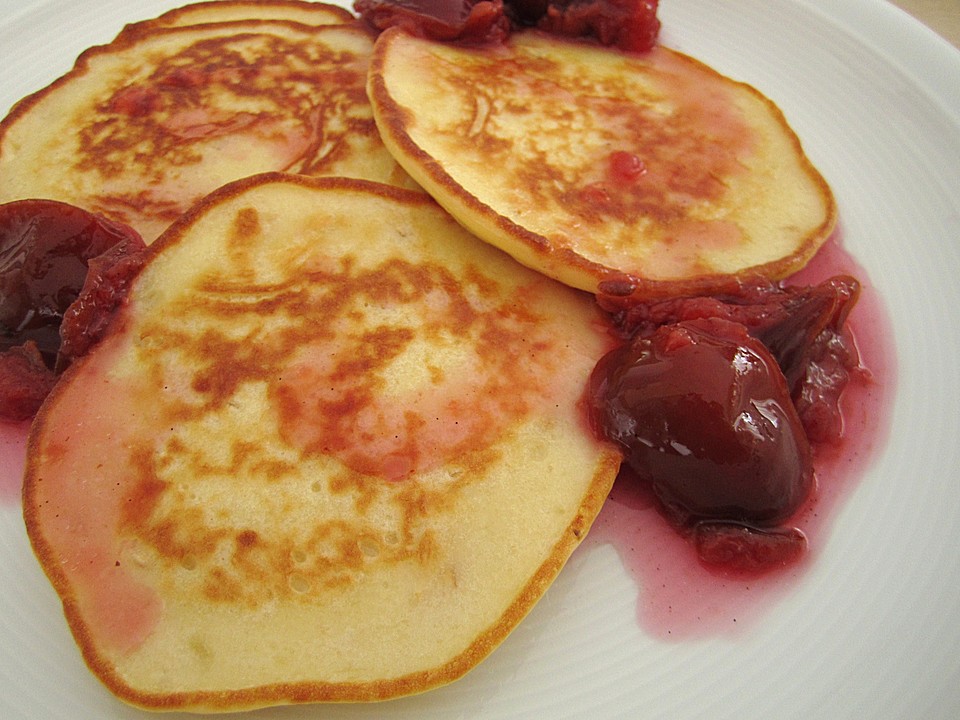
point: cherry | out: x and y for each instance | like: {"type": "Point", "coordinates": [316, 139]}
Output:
{"type": "Point", "coordinates": [63, 271]}
{"type": "Point", "coordinates": [703, 413]}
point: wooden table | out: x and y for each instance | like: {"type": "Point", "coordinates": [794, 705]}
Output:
{"type": "Point", "coordinates": [941, 16]}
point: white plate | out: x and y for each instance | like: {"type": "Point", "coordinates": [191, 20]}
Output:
{"type": "Point", "coordinates": [873, 628]}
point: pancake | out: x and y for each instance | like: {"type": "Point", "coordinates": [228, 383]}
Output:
{"type": "Point", "coordinates": [144, 127]}
{"type": "Point", "coordinates": [332, 449]}
{"type": "Point", "coordinates": [594, 165]}
{"type": "Point", "coordinates": [215, 11]}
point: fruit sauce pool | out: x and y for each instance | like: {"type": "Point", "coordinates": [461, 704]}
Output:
{"type": "Point", "coordinates": [678, 597]}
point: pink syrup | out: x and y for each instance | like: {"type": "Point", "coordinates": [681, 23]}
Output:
{"type": "Point", "coordinates": [679, 597]}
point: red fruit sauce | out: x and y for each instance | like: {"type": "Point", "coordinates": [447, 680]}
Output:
{"type": "Point", "coordinates": [679, 595]}
{"type": "Point", "coordinates": [702, 412]}
{"type": "Point", "coordinates": [630, 25]}
{"type": "Point", "coordinates": [63, 271]}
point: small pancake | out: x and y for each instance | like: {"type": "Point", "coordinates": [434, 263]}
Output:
{"type": "Point", "coordinates": [144, 127]}
{"type": "Point", "coordinates": [215, 11]}
{"type": "Point", "coordinates": [331, 450]}
{"type": "Point", "coordinates": [587, 163]}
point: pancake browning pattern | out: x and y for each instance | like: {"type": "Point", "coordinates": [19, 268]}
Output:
{"type": "Point", "coordinates": [144, 127]}
{"type": "Point", "coordinates": [332, 450]}
{"type": "Point", "coordinates": [590, 165]}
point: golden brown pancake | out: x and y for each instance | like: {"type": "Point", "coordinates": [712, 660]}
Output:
{"type": "Point", "coordinates": [587, 163]}
{"type": "Point", "coordinates": [144, 127]}
{"type": "Point", "coordinates": [331, 450]}
{"type": "Point", "coordinates": [214, 11]}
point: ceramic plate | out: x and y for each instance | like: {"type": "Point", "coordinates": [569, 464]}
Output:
{"type": "Point", "coordinates": [871, 628]}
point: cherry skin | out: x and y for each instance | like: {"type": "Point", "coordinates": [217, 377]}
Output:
{"type": "Point", "coordinates": [703, 413]}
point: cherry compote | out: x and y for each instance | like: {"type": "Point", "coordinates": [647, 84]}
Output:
{"type": "Point", "coordinates": [703, 413]}
{"type": "Point", "coordinates": [63, 272]}
{"type": "Point", "coordinates": [715, 401]}
{"type": "Point", "coordinates": [630, 25]}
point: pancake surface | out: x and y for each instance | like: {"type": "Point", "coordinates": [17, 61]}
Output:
{"type": "Point", "coordinates": [586, 163]}
{"type": "Point", "coordinates": [215, 11]}
{"type": "Point", "coordinates": [144, 127]}
{"type": "Point", "coordinates": [306, 468]}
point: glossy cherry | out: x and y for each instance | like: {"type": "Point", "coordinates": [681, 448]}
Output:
{"type": "Point", "coordinates": [703, 413]}
{"type": "Point", "coordinates": [63, 272]}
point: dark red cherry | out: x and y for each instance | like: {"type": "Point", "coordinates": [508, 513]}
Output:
{"type": "Point", "coordinates": [703, 413]}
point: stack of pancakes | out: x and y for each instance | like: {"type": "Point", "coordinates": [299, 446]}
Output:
{"type": "Point", "coordinates": [332, 448]}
